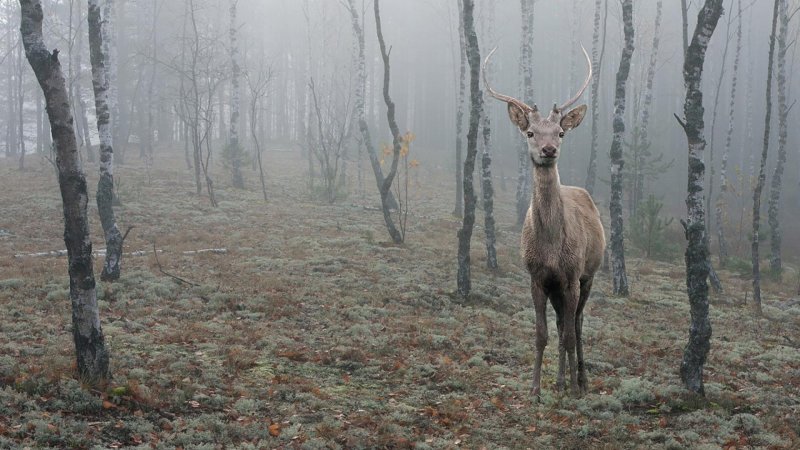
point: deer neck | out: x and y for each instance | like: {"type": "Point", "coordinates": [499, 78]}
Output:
{"type": "Point", "coordinates": [547, 206]}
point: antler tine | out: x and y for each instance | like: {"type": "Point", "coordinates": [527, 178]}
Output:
{"type": "Point", "coordinates": [585, 84]}
{"type": "Point", "coordinates": [497, 95]}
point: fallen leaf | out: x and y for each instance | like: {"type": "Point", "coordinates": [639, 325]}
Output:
{"type": "Point", "coordinates": [275, 429]}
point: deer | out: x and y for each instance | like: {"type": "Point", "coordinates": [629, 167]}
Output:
{"type": "Point", "coordinates": [562, 239]}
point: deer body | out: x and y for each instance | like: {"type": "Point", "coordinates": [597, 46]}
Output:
{"type": "Point", "coordinates": [562, 237]}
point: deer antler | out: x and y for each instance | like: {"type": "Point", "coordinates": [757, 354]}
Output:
{"type": "Point", "coordinates": [585, 84]}
{"type": "Point", "coordinates": [499, 96]}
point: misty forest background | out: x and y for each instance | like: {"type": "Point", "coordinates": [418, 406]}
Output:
{"type": "Point", "coordinates": [261, 284]}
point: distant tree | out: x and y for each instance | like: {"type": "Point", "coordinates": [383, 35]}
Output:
{"type": "Point", "coordinates": [773, 211]}
{"type": "Point", "coordinates": [461, 100]}
{"type": "Point", "coordinates": [92, 356]}
{"type": "Point", "coordinates": [234, 148]}
{"type": "Point", "coordinates": [258, 85]}
{"type": "Point", "coordinates": [597, 62]}
{"type": "Point", "coordinates": [723, 171]}
{"type": "Point", "coordinates": [697, 267]}
{"type": "Point", "coordinates": [464, 281]}
{"type": "Point", "coordinates": [524, 173]}
{"type": "Point", "coordinates": [105, 186]}
{"type": "Point", "coordinates": [620, 278]}
{"type": "Point", "coordinates": [397, 139]}
{"type": "Point", "coordinates": [762, 167]}
{"type": "Point", "coordinates": [333, 120]}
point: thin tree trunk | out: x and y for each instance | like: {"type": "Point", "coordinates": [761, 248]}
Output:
{"type": "Point", "coordinates": [235, 148]}
{"type": "Point", "coordinates": [597, 62]}
{"type": "Point", "coordinates": [359, 104]}
{"type": "Point", "coordinates": [620, 278]}
{"type": "Point", "coordinates": [20, 108]}
{"type": "Point", "coordinates": [488, 193]}
{"type": "Point", "coordinates": [465, 233]}
{"type": "Point", "coordinates": [773, 211]}
{"type": "Point", "coordinates": [397, 237]}
{"type": "Point", "coordinates": [92, 356]}
{"type": "Point", "coordinates": [697, 267]}
{"type": "Point", "coordinates": [39, 125]}
{"type": "Point", "coordinates": [685, 26]}
{"type": "Point", "coordinates": [461, 100]}
{"type": "Point", "coordinates": [110, 52]}
{"type": "Point", "coordinates": [524, 173]}
{"type": "Point", "coordinates": [762, 168]}
{"type": "Point", "coordinates": [721, 205]}
{"type": "Point", "coordinates": [105, 187]}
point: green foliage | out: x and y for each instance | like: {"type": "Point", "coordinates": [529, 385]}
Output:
{"type": "Point", "coordinates": [648, 230]}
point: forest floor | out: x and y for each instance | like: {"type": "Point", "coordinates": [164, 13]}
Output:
{"type": "Point", "coordinates": [313, 331]}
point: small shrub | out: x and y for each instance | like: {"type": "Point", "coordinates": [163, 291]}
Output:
{"type": "Point", "coordinates": [11, 283]}
{"type": "Point", "coordinates": [635, 392]}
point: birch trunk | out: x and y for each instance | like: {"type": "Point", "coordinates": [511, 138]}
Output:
{"type": "Point", "coordinates": [597, 63]}
{"type": "Point", "coordinates": [762, 168]}
{"type": "Point", "coordinates": [386, 186]}
{"type": "Point", "coordinates": [235, 148]}
{"type": "Point", "coordinates": [524, 172]}
{"type": "Point", "coordinates": [360, 95]}
{"type": "Point", "coordinates": [721, 205]}
{"type": "Point", "coordinates": [110, 53]}
{"type": "Point", "coordinates": [92, 356]}
{"type": "Point", "coordinates": [488, 193]}
{"type": "Point", "coordinates": [620, 278]}
{"type": "Point", "coordinates": [697, 267]}
{"type": "Point", "coordinates": [105, 186]}
{"type": "Point", "coordinates": [476, 109]}
{"type": "Point", "coordinates": [20, 108]}
{"type": "Point", "coordinates": [461, 100]}
{"type": "Point", "coordinates": [773, 211]}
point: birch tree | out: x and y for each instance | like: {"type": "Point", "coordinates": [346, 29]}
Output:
{"type": "Point", "coordinates": [234, 148]}
{"type": "Point", "coordinates": [597, 62]}
{"type": "Point", "coordinates": [762, 168]}
{"type": "Point", "coordinates": [105, 186]}
{"type": "Point", "coordinates": [92, 356]}
{"type": "Point", "coordinates": [723, 171]}
{"type": "Point", "coordinates": [773, 211]}
{"type": "Point", "coordinates": [461, 100]}
{"type": "Point", "coordinates": [697, 267]}
{"type": "Point", "coordinates": [526, 79]}
{"type": "Point", "coordinates": [620, 278]}
{"type": "Point", "coordinates": [464, 281]}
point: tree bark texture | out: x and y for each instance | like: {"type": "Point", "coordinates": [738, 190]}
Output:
{"type": "Point", "coordinates": [386, 186]}
{"type": "Point", "coordinates": [488, 193]}
{"type": "Point", "coordinates": [697, 267]}
{"type": "Point", "coordinates": [620, 277]}
{"type": "Point", "coordinates": [105, 186]}
{"type": "Point", "coordinates": [461, 100]}
{"type": "Point", "coordinates": [235, 148]}
{"type": "Point", "coordinates": [524, 172]}
{"type": "Point", "coordinates": [110, 54]}
{"type": "Point", "coordinates": [597, 62]}
{"type": "Point", "coordinates": [92, 356]}
{"type": "Point", "coordinates": [476, 109]}
{"type": "Point", "coordinates": [773, 211]}
{"type": "Point", "coordinates": [762, 168]}
{"type": "Point", "coordinates": [359, 104]}
{"type": "Point", "coordinates": [721, 205]}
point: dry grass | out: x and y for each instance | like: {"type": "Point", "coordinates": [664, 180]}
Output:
{"type": "Point", "coordinates": [313, 332]}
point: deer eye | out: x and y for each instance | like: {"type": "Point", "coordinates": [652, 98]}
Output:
{"type": "Point", "coordinates": [561, 134]}
{"type": "Point", "coordinates": [530, 134]}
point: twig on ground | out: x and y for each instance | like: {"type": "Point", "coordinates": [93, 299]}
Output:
{"type": "Point", "coordinates": [160, 269]}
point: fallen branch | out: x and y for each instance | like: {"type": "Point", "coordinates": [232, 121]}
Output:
{"type": "Point", "coordinates": [218, 251]}
{"type": "Point", "coordinates": [160, 269]}
{"type": "Point", "coordinates": [96, 253]}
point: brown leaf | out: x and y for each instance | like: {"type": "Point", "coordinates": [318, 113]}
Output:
{"type": "Point", "coordinates": [275, 429]}
{"type": "Point", "coordinates": [108, 405]}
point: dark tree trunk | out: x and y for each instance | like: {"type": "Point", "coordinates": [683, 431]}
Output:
{"type": "Point", "coordinates": [773, 211]}
{"type": "Point", "coordinates": [597, 62]}
{"type": "Point", "coordinates": [488, 194]}
{"type": "Point", "coordinates": [619, 276]}
{"type": "Point", "coordinates": [359, 104]}
{"type": "Point", "coordinates": [105, 187]}
{"type": "Point", "coordinates": [235, 148]}
{"type": "Point", "coordinates": [461, 100]}
{"type": "Point", "coordinates": [92, 356]}
{"type": "Point", "coordinates": [685, 26]}
{"type": "Point", "coordinates": [697, 267]}
{"type": "Point", "coordinates": [386, 186]}
{"type": "Point", "coordinates": [20, 108]}
{"type": "Point", "coordinates": [476, 109]}
{"type": "Point", "coordinates": [723, 171]}
{"type": "Point", "coordinates": [762, 168]}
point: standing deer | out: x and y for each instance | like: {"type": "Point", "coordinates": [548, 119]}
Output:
{"type": "Point", "coordinates": [562, 238]}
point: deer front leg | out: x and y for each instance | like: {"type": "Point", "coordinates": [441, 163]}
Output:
{"type": "Point", "coordinates": [583, 382]}
{"type": "Point", "coordinates": [571, 298]}
{"type": "Point", "coordinates": [562, 353]}
{"type": "Point", "coordinates": [539, 305]}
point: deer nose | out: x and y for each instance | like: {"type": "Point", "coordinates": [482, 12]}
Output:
{"type": "Point", "coordinates": [549, 151]}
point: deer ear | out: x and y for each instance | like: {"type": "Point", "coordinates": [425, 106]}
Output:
{"type": "Point", "coordinates": [573, 118]}
{"type": "Point", "coordinates": [518, 117]}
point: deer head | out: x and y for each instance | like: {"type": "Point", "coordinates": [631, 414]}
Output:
{"type": "Point", "coordinates": [543, 135]}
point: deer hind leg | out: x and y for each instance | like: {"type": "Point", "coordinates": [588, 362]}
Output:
{"type": "Point", "coordinates": [586, 287]}
{"type": "Point", "coordinates": [558, 305]}
{"type": "Point", "coordinates": [571, 299]}
{"type": "Point", "coordinates": [540, 307]}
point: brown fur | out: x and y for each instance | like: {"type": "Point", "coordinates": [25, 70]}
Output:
{"type": "Point", "coordinates": [562, 245]}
